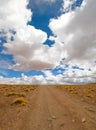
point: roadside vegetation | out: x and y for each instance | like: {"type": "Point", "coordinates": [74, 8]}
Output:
{"type": "Point", "coordinates": [16, 94]}
{"type": "Point", "coordinates": [85, 92]}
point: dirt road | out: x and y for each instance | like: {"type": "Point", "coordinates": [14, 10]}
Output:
{"type": "Point", "coordinates": [50, 109]}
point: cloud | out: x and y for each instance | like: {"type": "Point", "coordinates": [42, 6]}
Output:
{"type": "Point", "coordinates": [29, 52]}
{"type": "Point", "coordinates": [67, 5]}
{"type": "Point", "coordinates": [28, 41]}
{"type": "Point", "coordinates": [76, 29]}
{"type": "Point", "coordinates": [71, 76]}
{"type": "Point", "coordinates": [74, 36]}
{"type": "Point", "coordinates": [27, 46]}
{"type": "Point", "coordinates": [14, 14]}
{"type": "Point", "coordinates": [4, 64]}
{"type": "Point", "coordinates": [38, 79]}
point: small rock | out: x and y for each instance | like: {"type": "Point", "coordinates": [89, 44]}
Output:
{"type": "Point", "coordinates": [53, 117]}
{"type": "Point", "coordinates": [73, 120]}
{"type": "Point", "coordinates": [90, 109]}
{"type": "Point", "coordinates": [83, 120]}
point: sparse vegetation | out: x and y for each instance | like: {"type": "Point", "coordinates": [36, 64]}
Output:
{"type": "Point", "coordinates": [10, 94]}
{"type": "Point", "coordinates": [86, 92]}
{"type": "Point", "coordinates": [19, 101]}
{"type": "Point", "coordinates": [90, 95]}
{"type": "Point", "coordinates": [76, 102]}
{"type": "Point", "coordinates": [27, 89]}
{"type": "Point", "coordinates": [23, 94]}
{"type": "Point", "coordinates": [16, 91]}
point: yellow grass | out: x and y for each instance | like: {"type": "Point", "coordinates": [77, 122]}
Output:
{"type": "Point", "coordinates": [19, 101]}
{"type": "Point", "coordinates": [87, 91]}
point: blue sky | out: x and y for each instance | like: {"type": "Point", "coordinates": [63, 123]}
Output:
{"type": "Point", "coordinates": [47, 41]}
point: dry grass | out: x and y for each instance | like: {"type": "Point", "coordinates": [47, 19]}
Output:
{"type": "Point", "coordinates": [10, 94]}
{"type": "Point", "coordinates": [19, 101]}
{"type": "Point", "coordinates": [27, 89]}
{"type": "Point", "coordinates": [22, 94]}
{"type": "Point", "coordinates": [7, 92]}
{"type": "Point", "coordinates": [86, 92]}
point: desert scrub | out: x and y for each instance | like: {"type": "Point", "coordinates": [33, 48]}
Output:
{"type": "Point", "coordinates": [73, 92]}
{"type": "Point", "coordinates": [10, 94]}
{"type": "Point", "coordinates": [90, 95]}
{"type": "Point", "coordinates": [19, 101]}
{"type": "Point", "coordinates": [33, 88]}
{"type": "Point", "coordinates": [12, 89]}
{"type": "Point", "coordinates": [27, 89]}
{"type": "Point", "coordinates": [2, 89]}
{"type": "Point", "coordinates": [23, 94]}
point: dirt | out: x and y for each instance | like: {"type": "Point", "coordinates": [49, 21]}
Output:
{"type": "Point", "coordinates": [48, 108]}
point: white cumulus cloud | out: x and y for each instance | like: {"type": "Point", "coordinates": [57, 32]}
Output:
{"type": "Point", "coordinates": [67, 5]}
{"type": "Point", "coordinates": [27, 46]}
{"type": "Point", "coordinates": [14, 14]}
{"type": "Point", "coordinates": [77, 30]}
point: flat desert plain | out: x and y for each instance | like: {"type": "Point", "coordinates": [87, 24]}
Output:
{"type": "Point", "coordinates": [48, 107]}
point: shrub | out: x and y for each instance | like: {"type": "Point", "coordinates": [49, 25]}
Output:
{"type": "Point", "coordinates": [27, 89]}
{"type": "Point", "coordinates": [90, 96]}
{"type": "Point", "coordinates": [74, 92]}
{"type": "Point", "coordinates": [23, 94]}
{"type": "Point", "coordinates": [32, 88]}
{"type": "Point", "coordinates": [10, 94]}
{"type": "Point", "coordinates": [20, 101]}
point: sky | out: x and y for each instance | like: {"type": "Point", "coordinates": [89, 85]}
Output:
{"type": "Point", "coordinates": [47, 41]}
